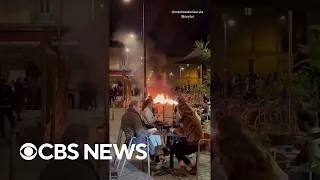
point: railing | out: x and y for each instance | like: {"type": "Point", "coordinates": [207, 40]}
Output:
{"type": "Point", "coordinates": [259, 116]}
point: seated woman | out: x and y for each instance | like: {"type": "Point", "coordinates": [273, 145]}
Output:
{"type": "Point", "coordinates": [148, 118]}
{"type": "Point", "coordinates": [149, 121]}
{"type": "Point", "coordinates": [310, 145]}
{"type": "Point", "coordinates": [192, 129]}
{"type": "Point", "coordinates": [177, 122]}
{"type": "Point", "coordinates": [241, 157]}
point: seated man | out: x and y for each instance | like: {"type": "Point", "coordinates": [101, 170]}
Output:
{"type": "Point", "coordinates": [131, 124]}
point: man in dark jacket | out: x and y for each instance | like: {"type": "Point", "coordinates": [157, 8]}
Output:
{"type": "Point", "coordinates": [6, 106]}
{"type": "Point", "coordinates": [132, 125]}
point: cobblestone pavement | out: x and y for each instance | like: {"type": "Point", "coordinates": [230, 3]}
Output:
{"type": "Point", "coordinates": [30, 131]}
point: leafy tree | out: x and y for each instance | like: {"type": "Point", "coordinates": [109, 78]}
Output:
{"type": "Point", "coordinates": [204, 48]}
{"type": "Point", "coordinates": [301, 84]}
{"type": "Point", "coordinates": [204, 88]}
{"type": "Point", "coordinates": [312, 63]}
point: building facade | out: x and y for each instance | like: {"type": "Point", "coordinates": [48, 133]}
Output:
{"type": "Point", "coordinates": [56, 38]}
{"type": "Point", "coordinates": [42, 22]}
{"type": "Point", "coordinates": [182, 74]}
{"type": "Point", "coordinates": [257, 39]}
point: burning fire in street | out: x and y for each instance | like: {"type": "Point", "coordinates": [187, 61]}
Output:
{"type": "Point", "coordinates": [160, 98]}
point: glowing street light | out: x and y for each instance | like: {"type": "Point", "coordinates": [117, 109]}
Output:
{"type": "Point", "coordinates": [181, 69]}
{"type": "Point", "coordinates": [231, 22]}
{"type": "Point", "coordinates": [144, 49]}
{"type": "Point", "coordinates": [132, 35]}
{"type": "Point", "coordinates": [127, 49]}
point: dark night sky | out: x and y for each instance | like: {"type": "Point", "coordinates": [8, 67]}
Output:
{"type": "Point", "coordinates": [172, 35]}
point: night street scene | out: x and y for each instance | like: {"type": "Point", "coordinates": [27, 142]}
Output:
{"type": "Point", "coordinates": [79, 72]}
{"type": "Point", "coordinates": [265, 92]}
{"type": "Point", "coordinates": [214, 90]}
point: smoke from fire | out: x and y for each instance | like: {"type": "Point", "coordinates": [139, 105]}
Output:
{"type": "Point", "coordinates": [157, 82]}
{"type": "Point", "coordinates": [87, 60]}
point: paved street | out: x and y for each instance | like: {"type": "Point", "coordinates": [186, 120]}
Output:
{"type": "Point", "coordinates": [30, 131]}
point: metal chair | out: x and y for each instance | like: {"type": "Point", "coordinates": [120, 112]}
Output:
{"type": "Point", "coordinates": [119, 142]}
{"type": "Point", "coordinates": [198, 156]}
{"type": "Point", "coordinates": [117, 162]}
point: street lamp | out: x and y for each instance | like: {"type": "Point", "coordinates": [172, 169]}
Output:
{"type": "Point", "coordinates": [181, 69]}
{"type": "Point", "coordinates": [282, 18]}
{"type": "Point", "coordinates": [226, 22]}
{"type": "Point", "coordinates": [127, 58]}
{"type": "Point", "coordinates": [130, 39]}
{"type": "Point", "coordinates": [188, 73]}
{"type": "Point", "coordinates": [144, 50]}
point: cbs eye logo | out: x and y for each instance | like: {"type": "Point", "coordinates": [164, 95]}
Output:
{"type": "Point", "coordinates": [28, 151]}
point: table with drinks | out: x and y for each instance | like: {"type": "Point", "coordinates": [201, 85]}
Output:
{"type": "Point", "coordinates": [171, 137]}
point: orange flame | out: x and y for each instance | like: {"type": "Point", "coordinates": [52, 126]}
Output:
{"type": "Point", "coordinates": [160, 98]}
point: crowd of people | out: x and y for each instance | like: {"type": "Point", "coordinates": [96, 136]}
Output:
{"type": "Point", "coordinates": [246, 86]}
{"type": "Point", "coordinates": [16, 96]}
{"type": "Point", "coordinates": [240, 86]}
{"type": "Point", "coordinates": [114, 92]}
{"type": "Point", "coordinates": [185, 88]}
{"type": "Point", "coordinates": [86, 92]}
{"type": "Point", "coordinates": [88, 95]}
